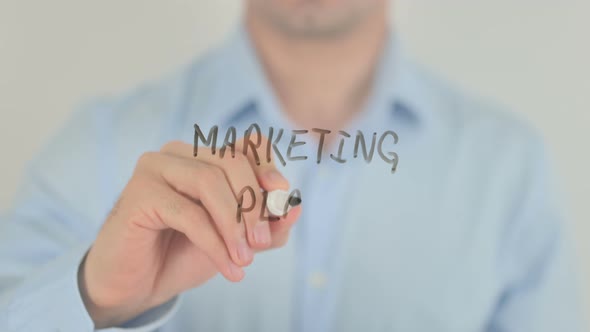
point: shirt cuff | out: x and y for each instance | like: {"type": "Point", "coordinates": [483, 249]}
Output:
{"type": "Point", "coordinates": [49, 299]}
{"type": "Point", "coordinates": [150, 320]}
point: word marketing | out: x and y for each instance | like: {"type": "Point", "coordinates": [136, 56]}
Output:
{"type": "Point", "coordinates": [253, 141]}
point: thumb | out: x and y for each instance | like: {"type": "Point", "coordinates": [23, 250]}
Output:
{"type": "Point", "coordinates": [258, 149]}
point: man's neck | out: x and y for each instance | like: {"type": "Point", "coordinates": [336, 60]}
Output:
{"type": "Point", "coordinates": [321, 82]}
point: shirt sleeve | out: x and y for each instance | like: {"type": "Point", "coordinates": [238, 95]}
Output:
{"type": "Point", "coordinates": [45, 235]}
{"type": "Point", "coordinates": [541, 289]}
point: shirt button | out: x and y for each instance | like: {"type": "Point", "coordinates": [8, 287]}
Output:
{"type": "Point", "coordinates": [317, 280]}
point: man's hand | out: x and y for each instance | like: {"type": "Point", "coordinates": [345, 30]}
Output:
{"type": "Point", "coordinates": [174, 227]}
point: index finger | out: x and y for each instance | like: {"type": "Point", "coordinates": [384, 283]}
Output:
{"type": "Point", "coordinates": [259, 151]}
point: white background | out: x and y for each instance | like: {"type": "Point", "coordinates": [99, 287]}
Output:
{"type": "Point", "coordinates": [530, 55]}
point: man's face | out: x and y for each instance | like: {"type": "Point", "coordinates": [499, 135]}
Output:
{"type": "Point", "coordinates": [314, 18]}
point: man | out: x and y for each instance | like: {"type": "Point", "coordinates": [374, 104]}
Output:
{"type": "Point", "coordinates": [462, 236]}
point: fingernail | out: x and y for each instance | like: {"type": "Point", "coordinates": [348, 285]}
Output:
{"type": "Point", "coordinates": [275, 177]}
{"type": "Point", "coordinates": [236, 271]}
{"type": "Point", "coordinates": [244, 252]}
{"type": "Point", "coordinates": [261, 233]}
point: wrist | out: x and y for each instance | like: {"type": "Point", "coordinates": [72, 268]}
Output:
{"type": "Point", "coordinates": [103, 316]}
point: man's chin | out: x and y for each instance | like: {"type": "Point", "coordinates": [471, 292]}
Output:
{"type": "Point", "coordinates": [316, 22]}
{"type": "Point", "coordinates": [317, 27]}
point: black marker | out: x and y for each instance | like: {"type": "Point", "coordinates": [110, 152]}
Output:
{"type": "Point", "coordinates": [279, 202]}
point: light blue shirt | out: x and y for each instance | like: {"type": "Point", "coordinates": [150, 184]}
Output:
{"type": "Point", "coordinates": [464, 236]}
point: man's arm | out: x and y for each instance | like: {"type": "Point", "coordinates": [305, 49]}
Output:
{"type": "Point", "coordinates": [45, 235]}
{"type": "Point", "coordinates": [173, 228]}
{"type": "Point", "coordinates": [541, 291]}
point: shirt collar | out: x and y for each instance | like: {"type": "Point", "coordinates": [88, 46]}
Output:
{"type": "Point", "coordinates": [400, 87]}
{"type": "Point", "coordinates": [240, 85]}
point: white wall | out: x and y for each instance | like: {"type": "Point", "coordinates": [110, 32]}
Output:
{"type": "Point", "coordinates": [531, 55]}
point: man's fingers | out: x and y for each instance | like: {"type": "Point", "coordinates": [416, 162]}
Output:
{"type": "Point", "coordinates": [264, 168]}
{"type": "Point", "coordinates": [266, 171]}
{"type": "Point", "coordinates": [208, 184]}
{"type": "Point", "coordinates": [244, 183]}
{"type": "Point", "coordinates": [259, 170]}
{"type": "Point", "coordinates": [269, 178]}
{"type": "Point", "coordinates": [191, 219]}
{"type": "Point", "coordinates": [249, 203]}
